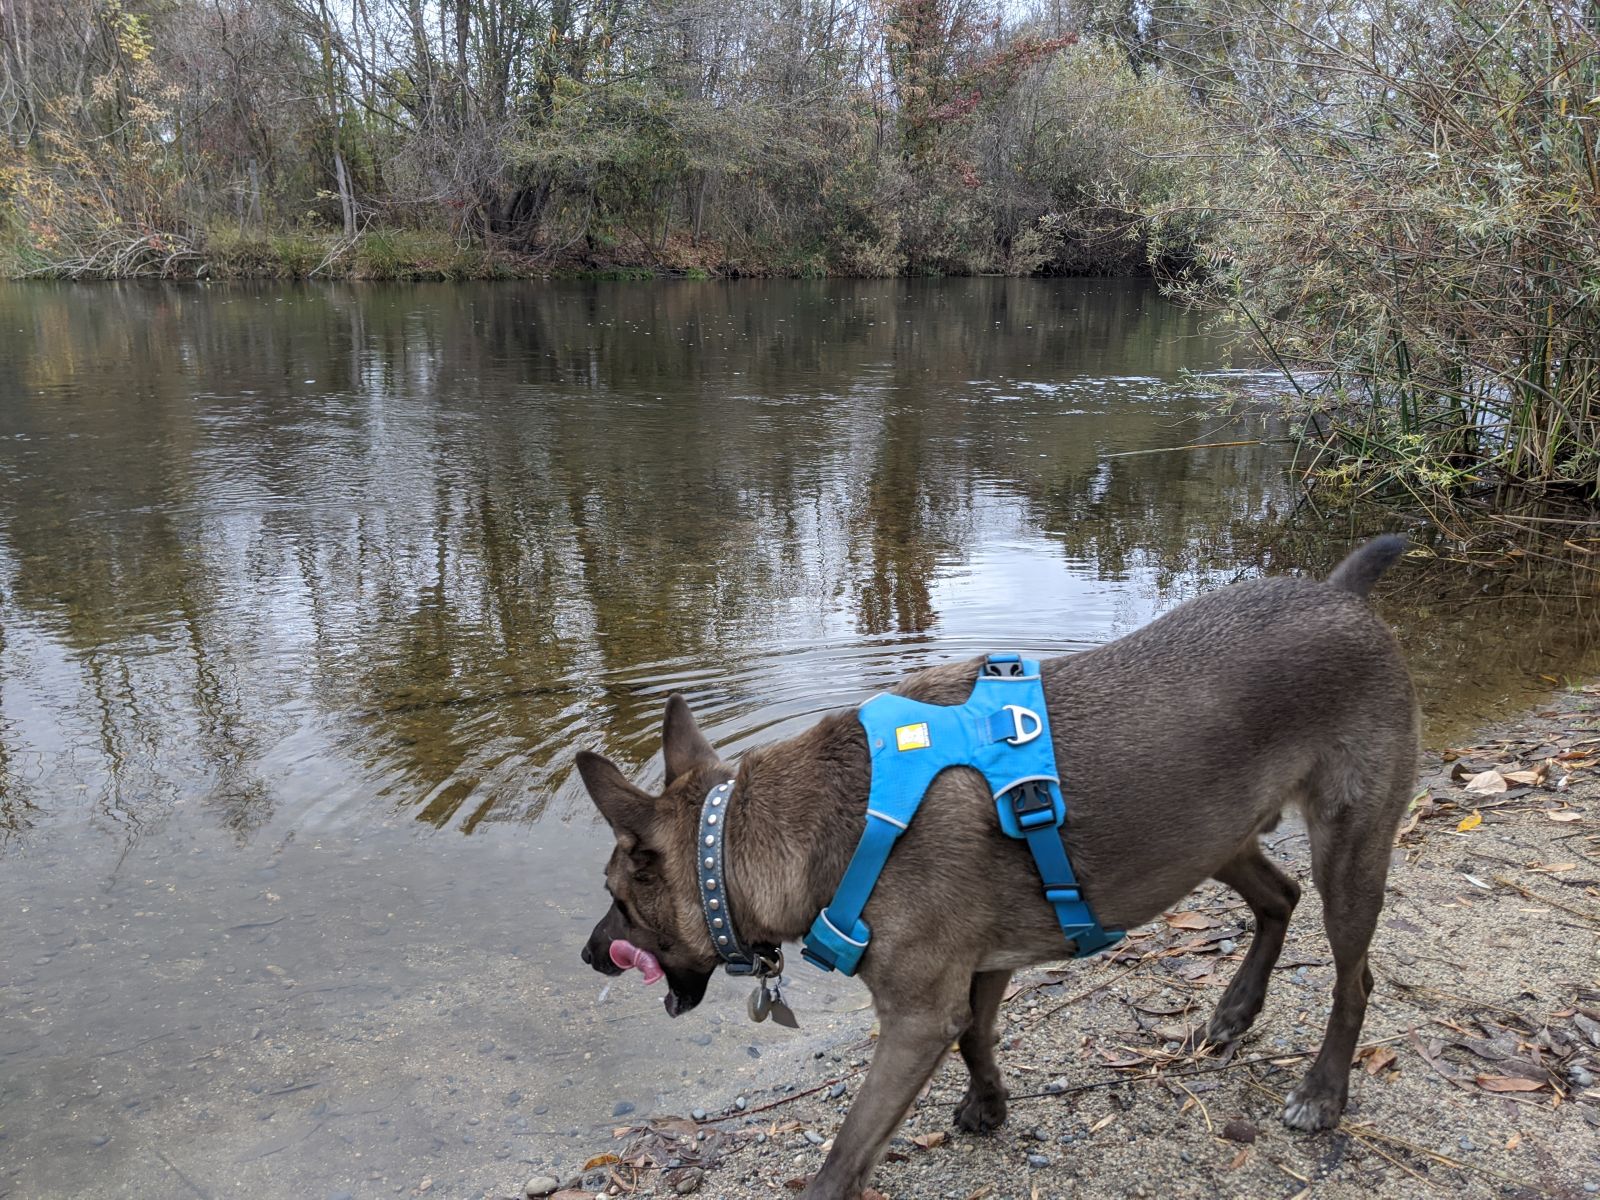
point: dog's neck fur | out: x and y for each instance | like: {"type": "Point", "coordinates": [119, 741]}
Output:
{"type": "Point", "coordinates": [782, 870]}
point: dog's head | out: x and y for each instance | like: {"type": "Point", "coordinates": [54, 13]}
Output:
{"type": "Point", "coordinates": [655, 896]}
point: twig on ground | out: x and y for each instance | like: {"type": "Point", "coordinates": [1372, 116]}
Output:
{"type": "Point", "coordinates": [1087, 992]}
{"type": "Point", "coordinates": [1577, 912]}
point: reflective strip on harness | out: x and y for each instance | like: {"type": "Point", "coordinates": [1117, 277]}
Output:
{"type": "Point", "coordinates": [1003, 731]}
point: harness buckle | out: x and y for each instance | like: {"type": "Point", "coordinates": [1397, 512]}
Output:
{"type": "Point", "coordinates": [1003, 666]}
{"type": "Point", "coordinates": [1019, 714]}
{"type": "Point", "coordinates": [1033, 805]}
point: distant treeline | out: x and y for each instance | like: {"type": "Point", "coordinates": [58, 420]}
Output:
{"type": "Point", "coordinates": [383, 137]}
{"type": "Point", "coordinates": [1394, 200]}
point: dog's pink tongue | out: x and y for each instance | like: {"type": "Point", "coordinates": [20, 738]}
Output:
{"type": "Point", "coordinates": [625, 955]}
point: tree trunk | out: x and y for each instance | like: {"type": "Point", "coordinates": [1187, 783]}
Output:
{"type": "Point", "coordinates": [347, 202]}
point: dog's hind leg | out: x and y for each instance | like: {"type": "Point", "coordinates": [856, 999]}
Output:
{"type": "Point", "coordinates": [1349, 863]}
{"type": "Point", "coordinates": [1271, 896]}
{"type": "Point", "coordinates": [915, 1036]}
{"type": "Point", "coordinates": [983, 1108]}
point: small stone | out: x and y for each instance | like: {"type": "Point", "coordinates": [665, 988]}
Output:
{"type": "Point", "coordinates": [513, 1099]}
{"type": "Point", "coordinates": [99, 1139]}
{"type": "Point", "coordinates": [341, 1196]}
{"type": "Point", "coordinates": [836, 1090]}
{"type": "Point", "coordinates": [541, 1185]}
{"type": "Point", "coordinates": [1591, 1187]}
{"type": "Point", "coordinates": [1227, 946]}
{"type": "Point", "coordinates": [1186, 1156]}
{"type": "Point", "coordinates": [740, 1103]}
{"type": "Point", "coordinates": [701, 1039]}
{"type": "Point", "coordinates": [815, 1138]}
{"type": "Point", "coordinates": [1466, 1143]}
{"type": "Point", "coordinates": [1056, 1086]}
{"type": "Point", "coordinates": [688, 1181]}
{"type": "Point", "coordinates": [1038, 1160]}
{"type": "Point", "coordinates": [1039, 1135]}
{"type": "Point", "coordinates": [1581, 1077]}
{"type": "Point", "coordinates": [1239, 1131]}
{"type": "Point", "coordinates": [699, 1114]}
{"type": "Point", "coordinates": [622, 1108]}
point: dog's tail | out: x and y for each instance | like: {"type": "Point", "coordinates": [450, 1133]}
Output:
{"type": "Point", "coordinates": [1366, 564]}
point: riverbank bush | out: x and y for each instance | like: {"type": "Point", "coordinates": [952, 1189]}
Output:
{"type": "Point", "coordinates": [1406, 218]}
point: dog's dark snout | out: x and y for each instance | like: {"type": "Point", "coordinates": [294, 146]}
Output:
{"type": "Point", "coordinates": [597, 950]}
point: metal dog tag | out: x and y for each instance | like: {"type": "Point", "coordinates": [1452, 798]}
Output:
{"type": "Point", "coordinates": [760, 1004]}
{"type": "Point", "coordinates": [782, 1013]}
{"type": "Point", "coordinates": [765, 1002]}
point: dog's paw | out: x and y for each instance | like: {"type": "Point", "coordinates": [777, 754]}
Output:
{"type": "Point", "coordinates": [1227, 1027]}
{"type": "Point", "coordinates": [1312, 1109]}
{"type": "Point", "coordinates": [981, 1112]}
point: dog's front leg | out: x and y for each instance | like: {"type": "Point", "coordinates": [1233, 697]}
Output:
{"type": "Point", "coordinates": [915, 1034]}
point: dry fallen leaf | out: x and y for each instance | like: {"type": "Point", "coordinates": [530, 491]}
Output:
{"type": "Point", "coordinates": [1486, 782]}
{"type": "Point", "coordinates": [1534, 776]}
{"type": "Point", "coordinates": [1564, 815]}
{"type": "Point", "coordinates": [1420, 808]}
{"type": "Point", "coordinates": [1471, 822]}
{"type": "Point", "coordinates": [929, 1140]}
{"type": "Point", "coordinates": [1377, 1058]}
{"type": "Point", "coordinates": [1102, 1122]}
{"type": "Point", "coordinates": [986, 1190]}
{"type": "Point", "coordinates": [1513, 1141]}
{"type": "Point", "coordinates": [601, 1160]}
{"type": "Point", "coordinates": [1240, 1159]}
{"type": "Point", "coordinates": [1508, 1083]}
{"type": "Point", "coordinates": [1190, 920]}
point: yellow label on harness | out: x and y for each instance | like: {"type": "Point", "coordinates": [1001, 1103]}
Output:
{"type": "Point", "coordinates": [912, 737]}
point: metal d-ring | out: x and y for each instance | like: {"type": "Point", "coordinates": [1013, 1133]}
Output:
{"type": "Point", "coordinates": [1018, 714]}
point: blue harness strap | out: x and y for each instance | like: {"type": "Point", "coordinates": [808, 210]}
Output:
{"type": "Point", "coordinates": [1003, 731]}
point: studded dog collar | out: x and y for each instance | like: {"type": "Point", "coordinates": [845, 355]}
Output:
{"type": "Point", "coordinates": [763, 961]}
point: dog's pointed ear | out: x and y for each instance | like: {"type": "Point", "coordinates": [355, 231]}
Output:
{"type": "Point", "coordinates": [683, 746]}
{"type": "Point", "coordinates": [629, 811]}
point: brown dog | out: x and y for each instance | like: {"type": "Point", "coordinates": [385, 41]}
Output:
{"type": "Point", "coordinates": [1261, 696]}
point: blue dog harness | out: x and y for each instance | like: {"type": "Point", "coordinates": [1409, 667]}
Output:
{"type": "Point", "coordinates": [1003, 731]}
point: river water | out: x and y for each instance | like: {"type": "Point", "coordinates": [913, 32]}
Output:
{"type": "Point", "coordinates": [309, 593]}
